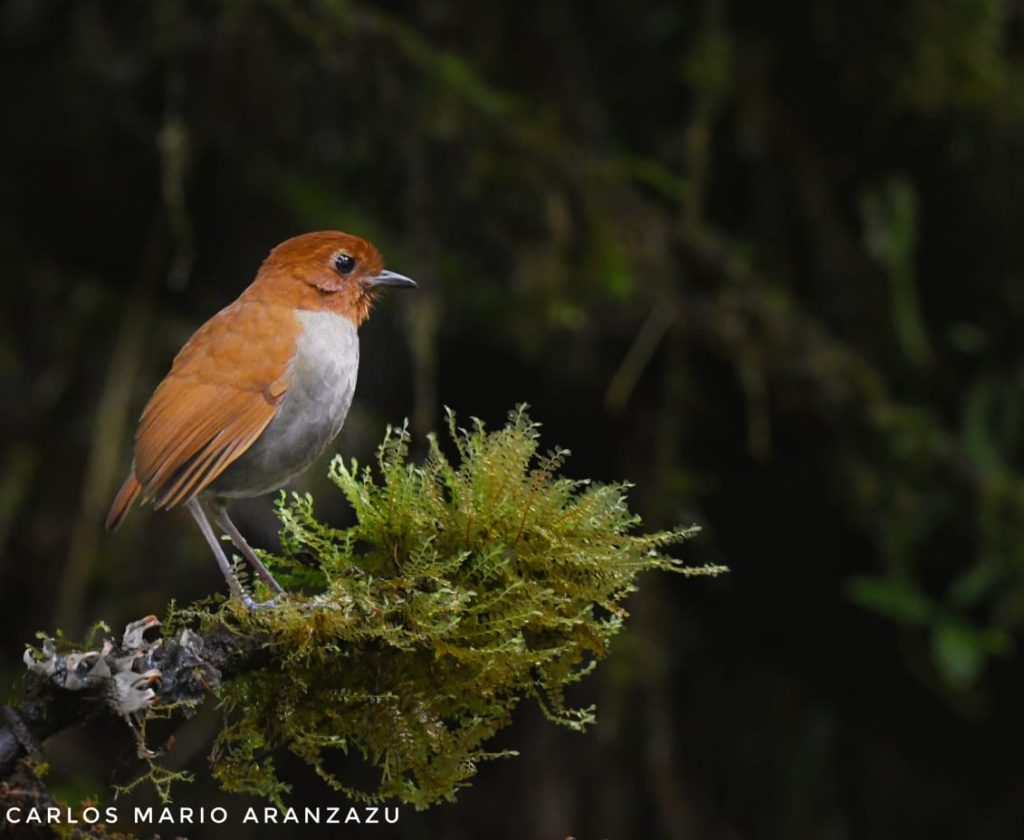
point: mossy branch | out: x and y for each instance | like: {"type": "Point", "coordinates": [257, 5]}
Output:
{"type": "Point", "coordinates": [409, 638]}
{"type": "Point", "coordinates": [71, 685]}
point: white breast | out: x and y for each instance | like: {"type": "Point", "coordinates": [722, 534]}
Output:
{"type": "Point", "coordinates": [323, 381]}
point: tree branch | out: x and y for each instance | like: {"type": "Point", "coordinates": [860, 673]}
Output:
{"type": "Point", "coordinates": [72, 688]}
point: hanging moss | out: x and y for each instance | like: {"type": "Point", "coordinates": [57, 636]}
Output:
{"type": "Point", "coordinates": [463, 588]}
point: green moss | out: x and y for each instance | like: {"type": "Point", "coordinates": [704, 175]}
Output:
{"type": "Point", "coordinates": [462, 589]}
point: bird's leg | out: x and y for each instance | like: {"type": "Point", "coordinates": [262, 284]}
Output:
{"type": "Point", "coordinates": [196, 509]}
{"type": "Point", "coordinates": [220, 516]}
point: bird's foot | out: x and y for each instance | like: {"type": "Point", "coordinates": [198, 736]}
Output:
{"type": "Point", "coordinates": [260, 605]}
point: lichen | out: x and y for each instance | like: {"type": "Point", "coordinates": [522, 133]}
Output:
{"type": "Point", "coordinates": [137, 678]}
{"type": "Point", "coordinates": [462, 589]}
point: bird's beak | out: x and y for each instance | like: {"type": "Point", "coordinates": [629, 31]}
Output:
{"type": "Point", "coordinates": [391, 278]}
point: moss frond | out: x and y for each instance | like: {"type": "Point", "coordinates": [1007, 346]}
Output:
{"type": "Point", "coordinates": [463, 589]}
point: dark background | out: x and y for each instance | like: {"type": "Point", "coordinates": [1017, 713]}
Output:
{"type": "Point", "coordinates": [762, 259]}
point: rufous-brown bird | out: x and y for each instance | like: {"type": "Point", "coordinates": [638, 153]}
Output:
{"type": "Point", "coordinates": [259, 390]}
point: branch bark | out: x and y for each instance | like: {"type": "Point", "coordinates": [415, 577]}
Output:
{"type": "Point", "coordinates": [72, 688]}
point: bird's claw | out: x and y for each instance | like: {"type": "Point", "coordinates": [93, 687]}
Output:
{"type": "Point", "coordinates": [259, 605]}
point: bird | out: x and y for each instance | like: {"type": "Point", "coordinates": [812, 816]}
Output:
{"type": "Point", "coordinates": [259, 391]}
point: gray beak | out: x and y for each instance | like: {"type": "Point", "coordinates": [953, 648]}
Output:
{"type": "Point", "coordinates": [391, 278]}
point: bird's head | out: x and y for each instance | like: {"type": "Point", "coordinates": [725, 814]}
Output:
{"type": "Point", "coordinates": [329, 270]}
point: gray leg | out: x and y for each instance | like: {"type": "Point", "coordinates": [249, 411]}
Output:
{"type": "Point", "coordinates": [220, 516]}
{"type": "Point", "coordinates": [222, 561]}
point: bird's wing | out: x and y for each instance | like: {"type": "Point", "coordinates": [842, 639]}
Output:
{"type": "Point", "coordinates": [224, 388]}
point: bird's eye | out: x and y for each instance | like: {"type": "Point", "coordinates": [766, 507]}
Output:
{"type": "Point", "coordinates": [343, 263]}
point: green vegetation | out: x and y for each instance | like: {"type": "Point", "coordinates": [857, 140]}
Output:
{"type": "Point", "coordinates": [767, 265]}
{"type": "Point", "coordinates": [463, 588]}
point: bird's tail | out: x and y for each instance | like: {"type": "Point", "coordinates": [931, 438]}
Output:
{"type": "Point", "coordinates": [128, 493]}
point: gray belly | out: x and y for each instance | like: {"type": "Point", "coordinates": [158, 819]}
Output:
{"type": "Point", "coordinates": [311, 415]}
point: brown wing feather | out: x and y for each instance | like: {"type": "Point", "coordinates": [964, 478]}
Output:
{"type": "Point", "coordinates": [223, 390]}
{"type": "Point", "coordinates": [126, 496]}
